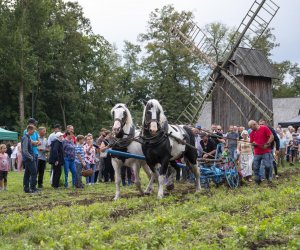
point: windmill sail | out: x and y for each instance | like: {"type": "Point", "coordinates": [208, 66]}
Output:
{"type": "Point", "coordinates": [196, 41]}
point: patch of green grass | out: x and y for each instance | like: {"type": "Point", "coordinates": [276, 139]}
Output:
{"type": "Point", "coordinates": [248, 217]}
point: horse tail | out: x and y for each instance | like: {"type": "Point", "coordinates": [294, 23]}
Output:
{"type": "Point", "coordinates": [190, 153]}
{"type": "Point", "coordinates": [191, 136]}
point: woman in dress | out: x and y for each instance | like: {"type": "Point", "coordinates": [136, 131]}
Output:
{"type": "Point", "coordinates": [245, 152]}
{"type": "Point", "coordinates": [90, 155]}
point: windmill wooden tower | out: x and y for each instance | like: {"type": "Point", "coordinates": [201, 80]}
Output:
{"type": "Point", "coordinates": [228, 89]}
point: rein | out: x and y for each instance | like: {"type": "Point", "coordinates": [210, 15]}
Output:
{"type": "Point", "coordinates": [187, 144]}
{"type": "Point", "coordinates": [224, 137]}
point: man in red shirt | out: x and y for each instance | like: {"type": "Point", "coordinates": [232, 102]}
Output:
{"type": "Point", "coordinates": [261, 137]}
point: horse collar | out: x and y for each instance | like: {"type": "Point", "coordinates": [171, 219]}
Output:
{"type": "Point", "coordinates": [154, 140]}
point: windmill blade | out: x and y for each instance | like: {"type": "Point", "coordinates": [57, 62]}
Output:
{"type": "Point", "coordinates": [197, 42]}
{"type": "Point", "coordinates": [255, 22]}
{"type": "Point", "coordinates": [248, 95]}
{"type": "Point", "coordinates": [193, 110]}
{"type": "Point", "coordinates": [194, 39]}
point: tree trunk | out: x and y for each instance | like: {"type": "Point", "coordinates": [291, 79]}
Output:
{"type": "Point", "coordinates": [21, 104]}
{"type": "Point", "coordinates": [63, 114]}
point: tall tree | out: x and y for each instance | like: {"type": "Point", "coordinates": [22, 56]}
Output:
{"type": "Point", "coordinates": [172, 72]}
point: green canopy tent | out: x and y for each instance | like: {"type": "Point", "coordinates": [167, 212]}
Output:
{"type": "Point", "coordinates": [6, 135]}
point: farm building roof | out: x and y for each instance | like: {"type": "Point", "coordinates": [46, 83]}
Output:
{"type": "Point", "coordinates": [252, 62]}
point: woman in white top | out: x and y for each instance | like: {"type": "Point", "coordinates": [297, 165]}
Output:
{"type": "Point", "coordinates": [246, 157]}
{"type": "Point", "coordinates": [13, 157]}
{"type": "Point", "coordinates": [19, 157]}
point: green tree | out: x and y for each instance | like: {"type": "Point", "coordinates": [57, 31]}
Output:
{"type": "Point", "coordinates": [172, 73]}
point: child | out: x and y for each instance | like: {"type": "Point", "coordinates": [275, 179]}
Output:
{"type": "Point", "coordinates": [4, 166]}
{"type": "Point", "coordinates": [294, 148]}
{"type": "Point", "coordinates": [79, 160]}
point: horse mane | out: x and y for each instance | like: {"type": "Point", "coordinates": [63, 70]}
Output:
{"type": "Point", "coordinates": [129, 121]}
{"type": "Point", "coordinates": [156, 104]}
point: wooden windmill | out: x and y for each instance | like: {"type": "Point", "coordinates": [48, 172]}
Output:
{"type": "Point", "coordinates": [231, 93]}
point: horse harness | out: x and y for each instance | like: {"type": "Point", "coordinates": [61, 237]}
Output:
{"type": "Point", "coordinates": [121, 143]}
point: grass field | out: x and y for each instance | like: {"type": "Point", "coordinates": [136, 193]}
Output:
{"type": "Point", "coordinates": [249, 217]}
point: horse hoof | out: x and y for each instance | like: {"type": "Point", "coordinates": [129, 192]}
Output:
{"type": "Point", "coordinates": [170, 187]}
{"type": "Point", "coordinates": [148, 191]}
{"type": "Point", "coordinates": [160, 196]}
{"type": "Point", "coordinates": [116, 198]}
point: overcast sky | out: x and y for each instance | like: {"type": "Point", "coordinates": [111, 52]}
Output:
{"type": "Point", "coordinates": [119, 20]}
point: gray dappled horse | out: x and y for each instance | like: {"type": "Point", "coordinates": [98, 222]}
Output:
{"type": "Point", "coordinates": [164, 143]}
{"type": "Point", "coordinates": [124, 140]}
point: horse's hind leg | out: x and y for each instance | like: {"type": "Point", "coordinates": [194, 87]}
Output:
{"type": "Point", "coordinates": [136, 170]}
{"type": "Point", "coordinates": [147, 170]}
{"type": "Point", "coordinates": [172, 176]}
{"type": "Point", "coordinates": [196, 172]}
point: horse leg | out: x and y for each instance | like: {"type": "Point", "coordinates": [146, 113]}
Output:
{"type": "Point", "coordinates": [136, 170]}
{"type": "Point", "coordinates": [161, 178]}
{"type": "Point", "coordinates": [147, 170]}
{"type": "Point", "coordinates": [154, 176]}
{"type": "Point", "coordinates": [149, 188]}
{"type": "Point", "coordinates": [196, 172]}
{"type": "Point", "coordinates": [117, 169]}
{"type": "Point", "coordinates": [171, 177]}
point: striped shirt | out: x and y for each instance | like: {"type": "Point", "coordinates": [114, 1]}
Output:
{"type": "Point", "coordinates": [79, 150]}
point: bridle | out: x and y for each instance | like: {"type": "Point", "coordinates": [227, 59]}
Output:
{"type": "Point", "coordinates": [147, 122]}
{"type": "Point", "coordinates": [123, 120]}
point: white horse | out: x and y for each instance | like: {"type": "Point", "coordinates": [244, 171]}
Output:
{"type": "Point", "coordinates": [164, 144]}
{"type": "Point", "coordinates": [125, 134]}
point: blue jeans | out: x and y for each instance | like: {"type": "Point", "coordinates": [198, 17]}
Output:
{"type": "Point", "coordinates": [267, 161]}
{"type": "Point", "coordinates": [262, 173]}
{"type": "Point", "coordinates": [29, 175]}
{"type": "Point", "coordinates": [69, 165]}
{"type": "Point", "coordinates": [90, 179]}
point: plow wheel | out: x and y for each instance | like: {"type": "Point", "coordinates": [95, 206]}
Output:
{"type": "Point", "coordinates": [232, 177]}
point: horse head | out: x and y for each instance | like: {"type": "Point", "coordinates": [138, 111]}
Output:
{"type": "Point", "coordinates": [153, 117]}
{"type": "Point", "coordinates": [122, 118]}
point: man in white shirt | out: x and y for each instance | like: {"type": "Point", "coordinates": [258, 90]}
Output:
{"type": "Point", "coordinates": [56, 128]}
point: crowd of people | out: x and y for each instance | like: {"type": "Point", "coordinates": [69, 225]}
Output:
{"type": "Point", "coordinates": [257, 151]}
{"type": "Point", "coordinates": [73, 154]}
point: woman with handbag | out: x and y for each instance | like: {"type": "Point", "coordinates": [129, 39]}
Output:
{"type": "Point", "coordinates": [90, 155]}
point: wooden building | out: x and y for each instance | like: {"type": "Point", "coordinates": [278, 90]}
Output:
{"type": "Point", "coordinates": [229, 106]}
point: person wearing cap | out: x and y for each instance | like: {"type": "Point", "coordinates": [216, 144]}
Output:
{"type": "Point", "coordinates": [56, 128]}
{"type": "Point", "coordinates": [56, 158]}
{"type": "Point", "coordinates": [29, 178]}
{"type": "Point", "coordinates": [34, 140]}
{"type": "Point", "coordinates": [245, 152]}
